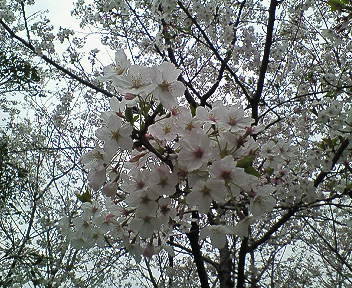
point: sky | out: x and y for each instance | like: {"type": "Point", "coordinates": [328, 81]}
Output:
{"type": "Point", "coordinates": [59, 13]}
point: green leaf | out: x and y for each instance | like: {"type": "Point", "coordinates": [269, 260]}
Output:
{"type": "Point", "coordinates": [85, 197]}
{"type": "Point", "coordinates": [22, 173]}
{"type": "Point", "coordinates": [269, 171]}
{"type": "Point", "coordinates": [145, 109]}
{"type": "Point", "coordinates": [193, 110]}
{"type": "Point", "coordinates": [338, 5]}
{"type": "Point", "coordinates": [245, 162]}
{"type": "Point", "coordinates": [331, 95]}
{"type": "Point", "coordinates": [129, 115]}
{"type": "Point", "coordinates": [334, 5]}
{"type": "Point", "coordinates": [348, 187]}
{"type": "Point", "coordinates": [252, 171]}
{"type": "Point", "coordinates": [160, 109]}
{"type": "Point", "coordinates": [328, 143]}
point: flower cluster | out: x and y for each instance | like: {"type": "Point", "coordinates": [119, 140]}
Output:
{"type": "Point", "coordinates": [180, 161]}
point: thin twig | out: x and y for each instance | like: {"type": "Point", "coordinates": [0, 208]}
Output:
{"type": "Point", "coordinates": [56, 65]}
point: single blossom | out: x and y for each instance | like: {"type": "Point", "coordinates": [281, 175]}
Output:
{"type": "Point", "coordinates": [225, 169]}
{"type": "Point", "coordinates": [120, 67]}
{"type": "Point", "coordinates": [95, 158]}
{"type": "Point", "coordinates": [138, 81]}
{"type": "Point", "coordinates": [262, 202]}
{"type": "Point", "coordinates": [115, 135]}
{"type": "Point", "coordinates": [195, 151]}
{"type": "Point", "coordinates": [233, 119]}
{"type": "Point", "coordinates": [166, 211]}
{"type": "Point", "coordinates": [167, 88]}
{"type": "Point", "coordinates": [135, 180]}
{"type": "Point", "coordinates": [242, 227]}
{"type": "Point", "coordinates": [97, 177]}
{"type": "Point", "coordinates": [162, 180]}
{"type": "Point", "coordinates": [203, 193]}
{"type": "Point", "coordinates": [186, 124]}
{"type": "Point", "coordinates": [145, 225]}
{"type": "Point", "coordinates": [145, 202]}
{"type": "Point", "coordinates": [164, 130]}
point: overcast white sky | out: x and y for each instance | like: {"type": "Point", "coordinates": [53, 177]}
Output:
{"type": "Point", "coordinates": [59, 13]}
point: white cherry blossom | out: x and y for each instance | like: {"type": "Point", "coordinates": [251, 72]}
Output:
{"type": "Point", "coordinates": [115, 135]}
{"type": "Point", "coordinates": [225, 169]}
{"type": "Point", "coordinates": [120, 67]}
{"type": "Point", "coordinates": [138, 81]}
{"type": "Point", "coordinates": [136, 180]}
{"type": "Point", "coordinates": [166, 211]}
{"type": "Point", "coordinates": [167, 87]}
{"type": "Point", "coordinates": [97, 177]}
{"type": "Point", "coordinates": [162, 180]}
{"type": "Point", "coordinates": [195, 151]}
{"type": "Point", "coordinates": [145, 225]}
{"type": "Point", "coordinates": [186, 124]}
{"type": "Point", "coordinates": [164, 130]}
{"type": "Point", "coordinates": [233, 118]}
{"type": "Point", "coordinates": [203, 193]}
{"type": "Point", "coordinates": [262, 202]}
{"type": "Point", "coordinates": [95, 158]}
{"type": "Point", "coordinates": [144, 201]}
{"type": "Point", "coordinates": [242, 227]}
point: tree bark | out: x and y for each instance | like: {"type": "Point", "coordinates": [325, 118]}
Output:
{"type": "Point", "coordinates": [193, 237]}
{"type": "Point", "coordinates": [225, 266]}
{"type": "Point", "coordinates": [242, 264]}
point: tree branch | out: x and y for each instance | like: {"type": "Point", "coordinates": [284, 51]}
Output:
{"type": "Point", "coordinates": [320, 178]}
{"type": "Point", "coordinates": [242, 263]}
{"type": "Point", "coordinates": [205, 259]}
{"type": "Point", "coordinates": [56, 65]}
{"type": "Point", "coordinates": [215, 51]}
{"type": "Point", "coordinates": [193, 237]}
{"type": "Point", "coordinates": [225, 265]}
{"type": "Point", "coordinates": [331, 248]}
{"type": "Point", "coordinates": [265, 61]}
{"type": "Point", "coordinates": [213, 88]}
{"type": "Point", "coordinates": [151, 276]}
{"type": "Point", "coordinates": [273, 229]}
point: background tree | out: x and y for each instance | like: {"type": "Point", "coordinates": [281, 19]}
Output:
{"type": "Point", "coordinates": [38, 174]}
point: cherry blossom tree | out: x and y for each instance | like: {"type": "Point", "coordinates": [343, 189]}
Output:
{"type": "Point", "coordinates": [221, 157]}
{"type": "Point", "coordinates": [39, 176]}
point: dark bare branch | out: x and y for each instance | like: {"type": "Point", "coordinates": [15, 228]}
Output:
{"type": "Point", "coordinates": [55, 64]}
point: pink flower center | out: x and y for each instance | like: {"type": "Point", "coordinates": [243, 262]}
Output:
{"type": "Point", "coordinates": [226, 175]}
{"type": "Point", "coordinates": [164, 209]}
{"type": "Point", "coordinates": [205, 191]}
{"type": "Point", "coordinates": [198, 154]}
{"type": "Point", "coordinates": [145, 200]}
{"type": "Point", "coordinates": [167, 130]}
{"type": "Point", "coordinates": [140, 184]}
{"type": "Point", "coordinates": [190, 126]}
{"type": "Point", "coordinates": [129, 96]}
{"type": "Point", "coordinates": [108, 218]}
{"type": "Point", "coordinates": [115, 135]}
{"type": "Point", "coordinates": [163, 182]}
{"type": "Point", "coordinates": [212, 117]}
{"type": "Point", "coordinates": [232, 121]}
